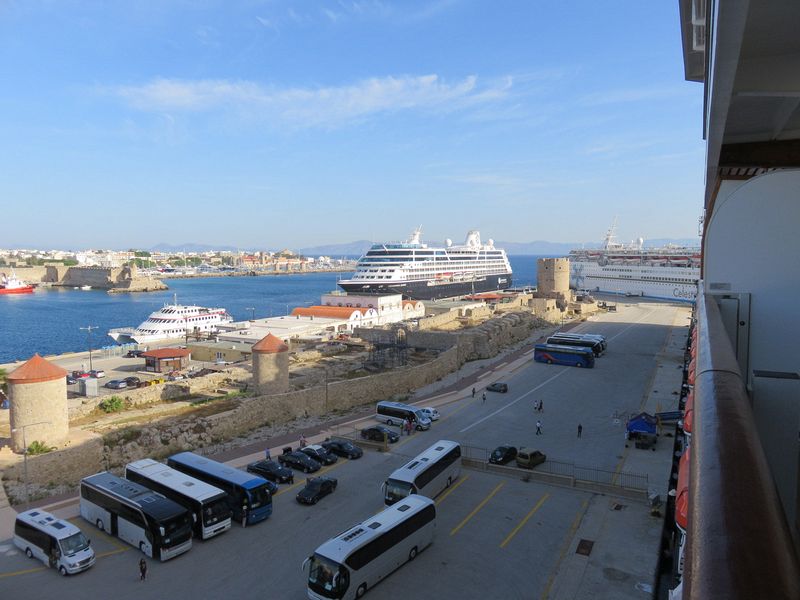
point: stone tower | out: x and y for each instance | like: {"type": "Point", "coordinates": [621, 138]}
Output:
{"type": "Point", "coordinates": [271, 365]}
{"type": "Point", "coordinates": [37, 392]}
{"type": "Point", "coordinates": [552, 276]}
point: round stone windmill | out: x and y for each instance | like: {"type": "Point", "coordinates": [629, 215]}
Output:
{"type": "Point", "coordinates": [271, 365]}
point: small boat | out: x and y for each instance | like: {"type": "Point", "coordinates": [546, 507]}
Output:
{"type": "Point", "coordinates": [86, 287]}
{"type": "Point", "coordinates": [11, 285]}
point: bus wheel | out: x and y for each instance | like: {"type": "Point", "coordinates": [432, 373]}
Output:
{"type": "Point", "coordinates": [28, 553]}
{"type": "Point", "coordinates": [390, 423]}
{"type": "Point", "coordinates": [549, 361]}
{"type": "Point", "coordinates": [577, 364]}
{"type": "Point", "coordinates": [141, 548]}
{"type": "Point", "coordinates": [63, 570]}
{"type": "Point", "coordinates": [362, 589]}
{"type": "Point", "coordinates": [413, 554]}
{"type": "Point", "coordinates": [449, 481]}
{"type": "Point", "coordinates": [99, 524]}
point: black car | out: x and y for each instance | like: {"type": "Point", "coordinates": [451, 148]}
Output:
{"type": "Point", "coordinates": [134, 353]}
{"type": "Point", "coordinates": [377, 433]}
{"type": "Point", "coordinates": [343, 448]}
{"type": "Point", "coordinates": [319, 454]}
{"type": "Point", "coordinates": [272, 471]}
{"type": "Point", "coordinates": [502, 455]}
{"type": "Point", "coordinates": [316, 488]}
{"type": "Point", "coordinates": [71, 380]}
{"type": "Point", "coordinates": [132, 381]}
{"type": "Point", "coordinates": [497, 386]}
{"type": "Point", "coordinates": [300, 461]}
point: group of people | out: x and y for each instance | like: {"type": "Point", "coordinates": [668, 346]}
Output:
{"type": "Point", "coordinates": [408, 426]}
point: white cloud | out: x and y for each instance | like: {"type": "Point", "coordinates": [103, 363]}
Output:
{"type": "Point", "coordinates": [320, 106]}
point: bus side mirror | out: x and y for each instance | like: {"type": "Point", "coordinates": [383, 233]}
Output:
{"type": "Point", "coordinates": [161, 531]}
{"type": "Point", "coordinates": [88, 542]}
{"type": "Point", "coordinates": [305, 562]}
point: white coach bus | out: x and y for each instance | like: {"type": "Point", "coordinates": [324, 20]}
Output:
{"type": "Point", "coordinates": [427, 474]}
{"type": "Point", "coordinates": [354, 561]}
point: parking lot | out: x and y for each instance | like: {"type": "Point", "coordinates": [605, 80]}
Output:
{"type": "Point", "coordinates": [497, 536]}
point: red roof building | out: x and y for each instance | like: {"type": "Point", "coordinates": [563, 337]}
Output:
{"type": "Point", "coordinates": [270, 344]}
{"type": "Point", "coordinates": [164, 360]}
{"type": "Point", "coordinates": [36, 370]}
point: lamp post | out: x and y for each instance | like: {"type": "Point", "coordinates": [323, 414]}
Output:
{"type": "Point", "coordinates": [252, 312]}
{"type": "Point", "coordinates": [88, 330]}
{"type": "Point", "coordinates": [25, 455]}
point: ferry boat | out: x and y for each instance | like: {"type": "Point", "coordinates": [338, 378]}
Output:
{"type": "Point", "coordinates": [172, 321]}
{"type": "Point", "coordinates": [670, 272]}
{"type": "Point", "coordinates": [422, 272]}
{"type": "Point", "coordinates": [9, 284]}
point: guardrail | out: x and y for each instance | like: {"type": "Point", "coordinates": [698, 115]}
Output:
{"type": "Point", "coordinates": [739, 545]}
{"type": "Point", "coordinates": [566, 473]}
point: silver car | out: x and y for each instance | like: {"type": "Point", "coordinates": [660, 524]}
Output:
{"type": "Point", "coordinates": [431, 413]}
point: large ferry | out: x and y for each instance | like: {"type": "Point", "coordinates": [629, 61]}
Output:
{"type": "Point", "coordinates": [670, 272]}
{"type": "Point", "coordinates": [9, 284]}
{"type": "Point", "coordinates": [172, 321]}
{"type": "Point", "coordinates": [421, 272]}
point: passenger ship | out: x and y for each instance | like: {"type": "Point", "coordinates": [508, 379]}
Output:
{"type": "Point", "coordinates": [669, 273]}
{"type": "Point", "coordinates": [420, 272]}
{"type": "Point", "coordinates": [172, 321]}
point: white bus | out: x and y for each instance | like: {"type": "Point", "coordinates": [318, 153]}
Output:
{"type": "Point", "coordinates": [427, 474]}
{"type": "Point", "coordinates": [396, 413]}
{"type": "Point", "coordinates": [58, 544]}
{"type": "Point", "coordinates": [146, 520]}
{"type": "Point", "coordinates": [346, 566]}
{"type": "Point", "coordinates": [208, 504]}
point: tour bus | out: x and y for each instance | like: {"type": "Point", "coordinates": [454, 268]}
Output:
{"type": "Point", "coordinates": [58, 544]}
{"type": "Point", "coordinates": [395, 413]}
{"type": "Point", "coordinates": [208, 505]}
{"type": "Point", "coordinates": [159, 527]}
{"type": "Point", "coordinates": [427, 474]}
{"type": "Point", "coordinates": [586, 336]}
{"type": "Point", "coordinates": [349, 564]}
{"type": "Point", "coordinates": [247, 495]}
{"type": "Point", "coordinates": [576, 341]}
{"type": "Point", "coordinates": [558, 354]}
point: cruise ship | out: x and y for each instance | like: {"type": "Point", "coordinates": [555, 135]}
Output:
{"type": "Point", "coordinates": [670, 272]}
{"type": "Point", "coordinates": [172, 321]}
{"type": "Point", "coordinates": [422, 272]}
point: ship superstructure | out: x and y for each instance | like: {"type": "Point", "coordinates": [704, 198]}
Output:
{"type": "Point", "coordinates": [173, 321]}
{"type": "Point", "coordinates": [669, 272]}
{"type": "Point", "coordinates": [422, 272]}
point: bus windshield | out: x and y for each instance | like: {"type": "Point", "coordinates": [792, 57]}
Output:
{"type": "Point", "coordinates": [397, 490]}
{"type": "Point", "coordinates": [216, 511]}
{"type": "Point", "coordinates": [327, 578]}
{"type": "Point", "coordinates": [176, 527]}
{"type": "Point", "coordinates": [259, 497]}
{"type": "Point", "coordinates": [74, 543]}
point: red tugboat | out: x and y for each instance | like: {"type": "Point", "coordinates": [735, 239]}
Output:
{"type": "Point", "coordinates": [12, 285]}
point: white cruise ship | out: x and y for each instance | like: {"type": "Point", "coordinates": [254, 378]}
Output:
{"type": "Point", "coordinates": [669, 273]}
{"type": "Point", "coordinates": [172, 321]}
{"type": "Point", "coordinates": [420, 272]}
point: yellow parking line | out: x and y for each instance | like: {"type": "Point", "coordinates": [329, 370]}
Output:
{"type": "Point", "coordinates": [565, 545]}
{"type": "Point", "coordinates": [451, 489]}
{"type": "Point", "coordinates": [322, 471]}
{"type": "Point", "coordinates": [525, 520]}
{"type": "Point", "coordinates": [477, 508]}
{"type": "Point", "coordinates": [24, 572]}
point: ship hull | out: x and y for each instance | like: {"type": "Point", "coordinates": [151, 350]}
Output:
{"type": "Point", "coordinates": [28, 289]}
{"type": "Point", "coordinates": [677, 284]}
{"type": "Point", "coordinates": [425, 290]}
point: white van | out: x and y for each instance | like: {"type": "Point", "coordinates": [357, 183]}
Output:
{"type": "Point", "coordinates": [58, 544]}
{"type": "Point", "coordinates": [396, 413]}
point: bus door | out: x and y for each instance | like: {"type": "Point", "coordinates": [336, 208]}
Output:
{"type": "Point", "coordinates": [114, 524]}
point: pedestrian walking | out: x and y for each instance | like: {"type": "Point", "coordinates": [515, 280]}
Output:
{"type": "Point", "coordinates": [142, 569]}
{"type": "Point", "coordinates": [267, 455]}
{"type": "Point", "coordinates": [303, 442]}
{"type": "Point", "coordinates": [580, 429]}
{"type": "Point", "coordinates": [538, 428]}
{"type": "Point", "coordinates": [484, 397]}
{"type": "Point", "coordinates": [473, 392]}
{"type": "Point", "coordinates": [409, 427]}
{"type": "Point", "coordinates": [541, 405]}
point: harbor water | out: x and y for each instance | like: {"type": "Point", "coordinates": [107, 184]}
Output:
{"type": "Point", "coordinates": [50, 321]}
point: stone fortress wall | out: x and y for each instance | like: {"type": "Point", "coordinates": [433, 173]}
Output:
{"type": "Point", "coordinates": [116, 279]}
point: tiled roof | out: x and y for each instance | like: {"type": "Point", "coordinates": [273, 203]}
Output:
{"type": "Point", "coordinates": [328, 312]}
{"type": "Point", "coordinates": [36, 370]}
{"type": "Point", "coordinates": [270, 344]}
{"type": "Point", "coordinates": [167, 353]}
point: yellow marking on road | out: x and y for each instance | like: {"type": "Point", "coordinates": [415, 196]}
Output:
{"type": "Point", "coordinates": [565, 545]}
{"type": "Point", "coordinates": [459, 409]}
{"type": "Point", "coordinates": [477, 508]}
{"type": "Point", "coordinates": [24, 572]}
{"type": "Point", "coordinates": [525, 520]}
{"type": "Point", "coordinates": [111, 552]}
{"type": "Point", "coordinates": [322, 471]}
{"type": "Point", "coordinates": [451, 489]}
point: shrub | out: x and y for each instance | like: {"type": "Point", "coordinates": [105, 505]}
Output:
{"type": "Point", "coordinates": [112, 404]}
{"type": "Point", "coordinates": [37, 447]}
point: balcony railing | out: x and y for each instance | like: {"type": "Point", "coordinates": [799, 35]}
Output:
{"type": "Point", "coordinates": [739, 543]}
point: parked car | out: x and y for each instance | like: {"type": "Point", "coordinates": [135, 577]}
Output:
{"type": "Point", "coordinates": [319, 454]}
{"type": "Point", "coordinates": [299, 461]}
{"type": "Point", "coordinates": [343, 448]}
{"type": "Point", "coordinates": [497, 386]}
{"type": "Point", "coordinates": [97, 373]}
{"type": "Point", "coordinates": [272, 471]}
{"type": "Point", "coordinates": [133, 381]}
{"type": "Point", "coordinates": [316, 488]}
{"type": "Point", "coordinates": [116, 384]}
{"type": "Point", "coordinates": [134, 353]}
{"type": "Point", "coordinates": [431, 413]}
{"type": "Point", "coordinates": [80, 374]}
{"type": "Point", "coordinates": [502, 455]}
{"type": "Point", "coordinates": [529, 458]}
{"type": "Point", "coordinates": [71, 380]}
{"type": "Point", "coordinates": [378, 433]}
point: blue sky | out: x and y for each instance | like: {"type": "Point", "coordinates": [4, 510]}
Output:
{"type": "Point", "coordinates": [289, 124]}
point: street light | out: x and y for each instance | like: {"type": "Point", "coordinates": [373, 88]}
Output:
{"type": "Point", "coordinates": [25, 455]}
{"type": "Point", "coordinates": [88, 330]}
{"type": "Point", "coordinates": [252, 312]}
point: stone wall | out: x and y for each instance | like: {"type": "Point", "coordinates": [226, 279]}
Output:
{"type": "Point", "coordinates": [65, 466]}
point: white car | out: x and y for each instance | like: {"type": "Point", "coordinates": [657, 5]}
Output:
{"type": "Point", "coordinates": [431, 413]}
